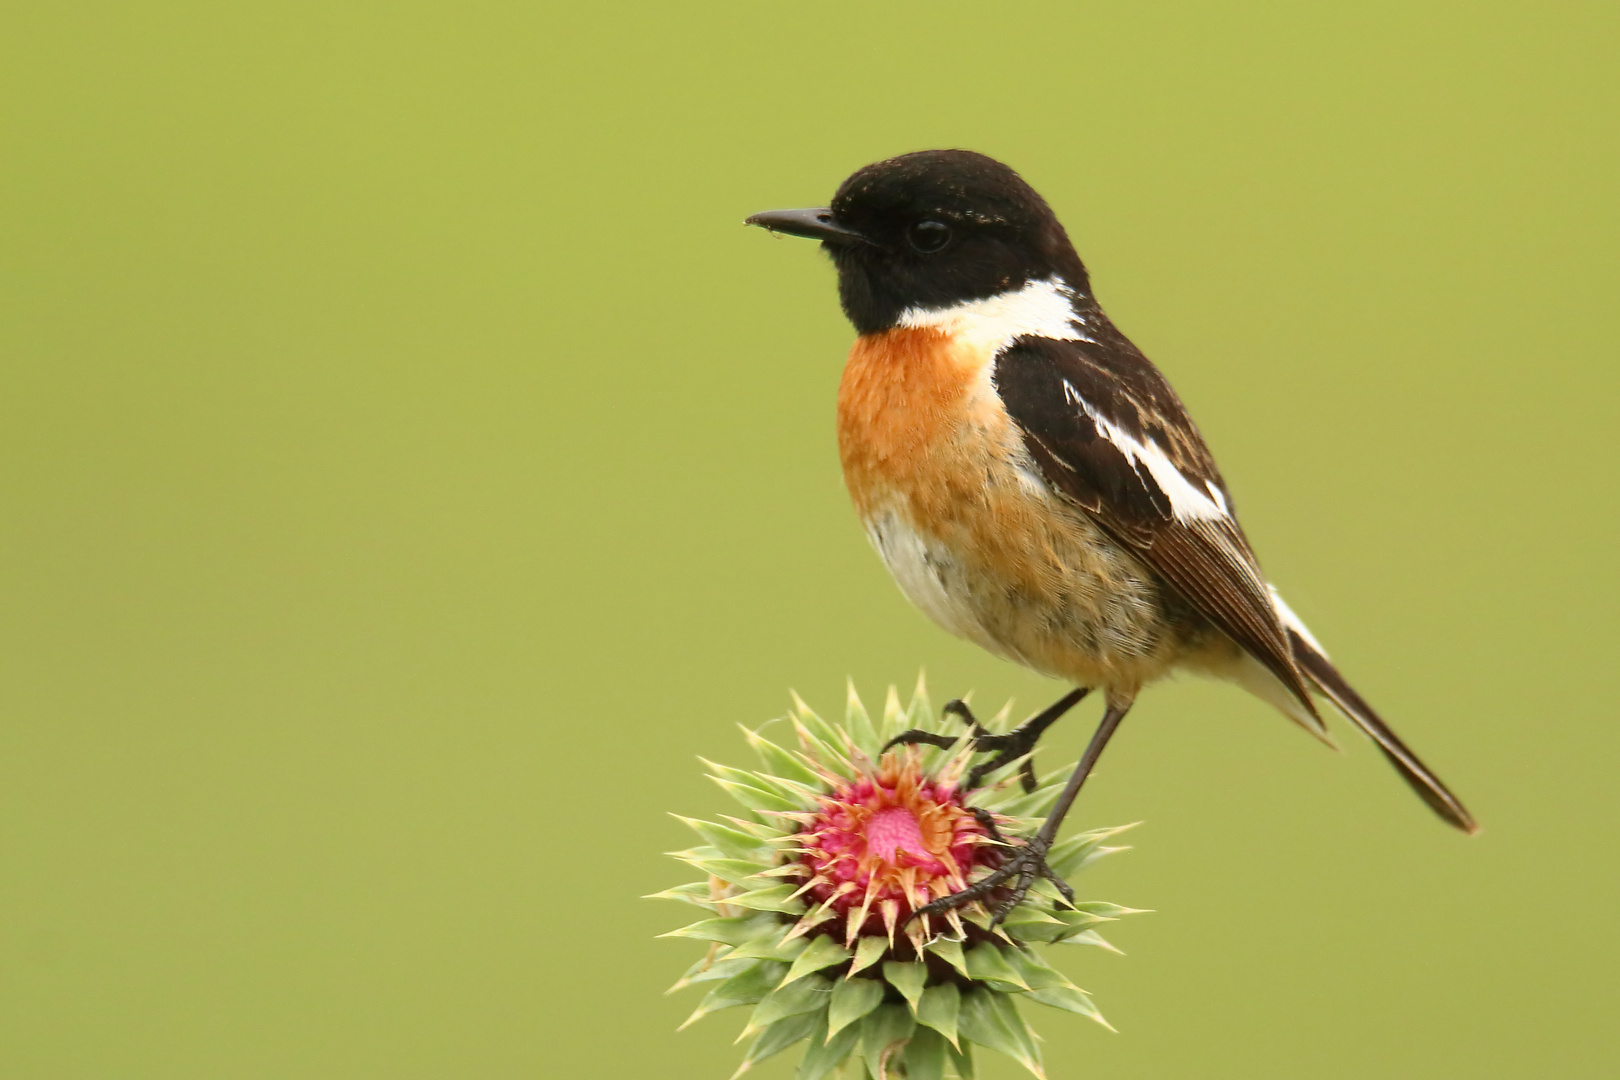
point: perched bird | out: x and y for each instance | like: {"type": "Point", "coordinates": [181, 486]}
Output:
{"type": "Point", "coordinates": [1031, 480]}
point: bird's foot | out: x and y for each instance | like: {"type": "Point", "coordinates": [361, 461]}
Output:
{"type": "Point", "coordinates": [1005, 887]}
{"type": "Point", "coordinates": [1007, 748]}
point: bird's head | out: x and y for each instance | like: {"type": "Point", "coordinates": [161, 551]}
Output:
{"type": "Point", "coordinates": [930, 230]}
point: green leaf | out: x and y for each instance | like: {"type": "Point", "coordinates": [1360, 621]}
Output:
{"type": "Point", "coordinates": [706, 970]}
{"type": "Point", "coordinates": [1028, 922]}
{"type": "Point", "coordinates": [1030, 805]}
{"type": "Point", "coordinates": [908, 978]}
{"type": "Point", "coordinates": [859, 726]}
{"type": "Point", "coordinates": [821, 744]}
{"type": "Point", "coordinates": [822, 952]}
{"type": "Point", "coordinates": [762, 832]}
{"type": "Point", "coordinates": [1080, 921]}
{"type": "Point", "coordinates": [851, 1000]}
{"type": "Point", "coordinates": [925, 1055]}
{"type": "Point", "coordinates": [1103, 910]}
{"type": "Point", "coordinates": [806, 995]}
{"type": "Point", "coordinates": [1036, 974]}
{"type": "Point", "coordinates": [732, 843]}
{"type": "Point", "coordinates": [1075, 921]}
{"type": "Point", "coordinates": [919, 713]}
{"type": "Point", "coordinates": [748, 987]}
{"type": "Point", "coordinates": [809, 922]}
{"type": "Point", "coordinates": [830, 735]}
{"type": "Point", "coordinates": [1069, 855]}
{"type": "Point", "coordinates": [771, 947]}
{"type": "Point", "coordinates": [1090, 937]}
{"type": "Point", "coordinates": [853, 705]}
{"type": "Point", "coordinates": [962, 1060]}
{"type": "Point", "coordinates": [783, 763]}
{"type": "Point", "coordinates": [985, 963]}
{"type": "Point", "coordinates": [802, 796]}
{"type": "Point", "coordinates": [1071, 998]}
{"type": "Point", "coordinates": [778, 1037]}
{"type": "Point", "coordinates": [698, 892]}
{"type": "Point", "coordinates": [1035, 933]}
{"type": "Point", "coordinates": [1094, 854]}
{"type": "Point", "coordinates": [757, 799]}
{"type": "Point", "coordinates": [1077, 865]}
{"type": "Point", "coordinates": [939, 1008]}
{"type": "Point", "coordinates": [1029, 1055]}
{"type": "Point", "coordinates": [826, 1051]}
{"type": "Point", "coordinates": [733, 930]}
{"type": "Point", "coordinates": [882, 1028]}
{"type": "Point", "coordinates": [1044, 895]}
{"type": "Point", "coordinates": [868, 952]}
{"type": "Point", "coordinates": [710, 861]}
{"type": "Point", "coordinates": [807, 794]}
{"type": "Point", "coordinates": [976, 915]}
{"type": "Point", "coordinates": [982, 1022]}
{"type": "Point", "coordinates": [770, 898]}
{"type": "Point", "coordinates": [949, 950]}
{"type": "Point", "coordinates": [893, 714]}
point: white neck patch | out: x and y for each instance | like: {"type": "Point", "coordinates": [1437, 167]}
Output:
{"type": "Point", "coordinates": [1039, 309]}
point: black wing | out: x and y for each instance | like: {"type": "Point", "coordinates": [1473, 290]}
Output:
{"type": "Point", "coordinates": [1107, 430]}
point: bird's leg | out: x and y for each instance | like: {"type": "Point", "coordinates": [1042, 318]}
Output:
{"type": "Point", "coordinates": [1028, 861]}
{"type": "Point", "coordinates": [988, 820]}
{"type": "Point", "coordinates": [1008, 748]}
{"type": "Point", "coordinates": [1020, 741]}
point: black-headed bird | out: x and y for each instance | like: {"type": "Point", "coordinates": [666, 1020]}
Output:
{"type": "Point", "coordinates": [1031, 480]}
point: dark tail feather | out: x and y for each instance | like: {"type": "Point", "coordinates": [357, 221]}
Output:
{"type": "Point", "coordinates": [1413, 771]}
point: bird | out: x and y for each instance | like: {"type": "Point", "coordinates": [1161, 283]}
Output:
{"type": "Point", "coordinates": [1034, 484]}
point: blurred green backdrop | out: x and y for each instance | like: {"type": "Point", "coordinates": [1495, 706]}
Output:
{"type": "Point", "coordinates": [409, 463]}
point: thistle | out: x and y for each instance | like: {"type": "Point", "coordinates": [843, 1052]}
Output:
{"type": "Point", "coordinates": [811, 896]}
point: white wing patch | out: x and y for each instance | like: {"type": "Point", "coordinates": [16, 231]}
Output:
{"type": "Point", "coordinates": [1039, 309]}
{"type": "Point", "coordinates": [1187, 502]}
{"type": "Point", "coordinates": [1293, 622]}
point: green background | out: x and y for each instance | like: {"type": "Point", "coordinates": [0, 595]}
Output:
{"type": "Point", "coordinates": [408, 463]}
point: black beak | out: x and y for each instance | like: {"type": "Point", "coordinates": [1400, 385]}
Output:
{"type": "Point", "coordinates": [817, 224]}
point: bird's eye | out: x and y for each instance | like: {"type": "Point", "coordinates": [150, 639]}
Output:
{"type": "Point", "coordinates": [928, 237]}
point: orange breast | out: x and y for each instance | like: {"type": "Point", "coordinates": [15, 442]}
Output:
{"type": "Point", "coordinates": [905, 402]}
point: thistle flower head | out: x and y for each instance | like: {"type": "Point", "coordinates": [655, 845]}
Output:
{"type": "Point", "coordinates": [882, 845]}
{"type": "Point", "coordinates": [810, 897]}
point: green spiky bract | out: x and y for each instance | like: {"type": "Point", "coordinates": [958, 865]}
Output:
{"type": "Point", "coordinates": [885, 1001]}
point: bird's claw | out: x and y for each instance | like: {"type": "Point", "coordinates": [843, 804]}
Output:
{"type": "Point", "coordinates": [1023, 868]}
{"type": "Point", "coordinates": [1007, 748]}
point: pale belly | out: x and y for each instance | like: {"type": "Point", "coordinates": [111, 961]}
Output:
{"type": "Point", "coordinates": [1055, 596]}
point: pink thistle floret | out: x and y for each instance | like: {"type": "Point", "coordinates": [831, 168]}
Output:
{"type": "Point", "coordinates": [886, 843]}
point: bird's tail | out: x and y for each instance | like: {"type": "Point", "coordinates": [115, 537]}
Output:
{"type": "Point", "coordinates": [1326, 678]}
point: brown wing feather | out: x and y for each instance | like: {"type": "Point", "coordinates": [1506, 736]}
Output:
{"type": "Point", "coordinates": [1043, 383]}
{"type": "Point", "coordinates": [1213, 568]}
